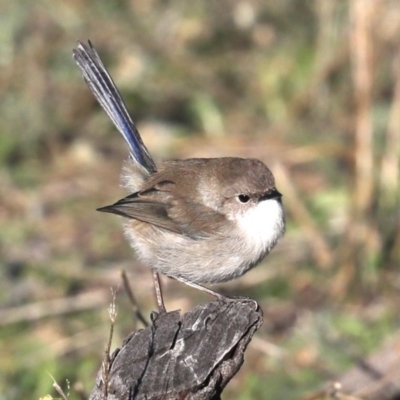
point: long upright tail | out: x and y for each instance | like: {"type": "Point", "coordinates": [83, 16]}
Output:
{"type": "Point", "coordinates": [103, 87]}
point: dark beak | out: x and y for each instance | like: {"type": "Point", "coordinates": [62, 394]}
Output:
{"type": "Point", "coordinates": [271, 194]}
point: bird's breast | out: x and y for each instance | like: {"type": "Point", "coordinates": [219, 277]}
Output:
{"type": "Point", "coordinates": [262, 226]}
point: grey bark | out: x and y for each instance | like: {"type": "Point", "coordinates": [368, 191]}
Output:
{"type": "Point", "coordinates": [193, 357]}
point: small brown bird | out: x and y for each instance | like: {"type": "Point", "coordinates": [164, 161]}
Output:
{"type": "Point", "coordinates": [199, 220]}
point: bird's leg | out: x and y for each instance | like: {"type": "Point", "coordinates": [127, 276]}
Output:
{"type": "Point", "coordinates": [159, 296]}
{"type": "Point", "coordinates": [199, 287]}
{"type": "Point", "coordinates": [219, 296]}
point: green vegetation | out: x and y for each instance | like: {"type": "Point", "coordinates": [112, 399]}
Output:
{"type": "Point", "coordinates": [293, 83]}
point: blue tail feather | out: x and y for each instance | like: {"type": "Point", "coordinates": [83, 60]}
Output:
{"type": "Point", "coordinates": [103, 87]}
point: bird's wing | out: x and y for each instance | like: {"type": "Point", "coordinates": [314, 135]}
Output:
{"type": "Point", "coordinates": [164, 210]}
{"type": "Point", "coordinates": [145, 210]}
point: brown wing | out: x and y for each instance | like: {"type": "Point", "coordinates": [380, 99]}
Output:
{"type": "Point", "coordinates": [161, 206]}
{"type": "Point", "coordinates": [150, 207]}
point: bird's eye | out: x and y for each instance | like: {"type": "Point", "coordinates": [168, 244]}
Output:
{"type": "Point", "coordinates": [243, 198]}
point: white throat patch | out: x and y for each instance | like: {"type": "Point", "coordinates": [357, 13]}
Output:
{"type": "Point", "coordinates": [263, 225]}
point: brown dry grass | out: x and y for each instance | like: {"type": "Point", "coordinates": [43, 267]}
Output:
{"type": "Point", "coordinates": [310, 88]}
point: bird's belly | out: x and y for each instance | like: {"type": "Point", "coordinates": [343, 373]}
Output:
{"type": "Point", "coordinates": [209, 260]}
{"type": "Point", "coordinates": [217, 258]}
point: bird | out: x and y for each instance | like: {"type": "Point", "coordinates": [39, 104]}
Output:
{"type": "Point", "coordinates": [197, 220]}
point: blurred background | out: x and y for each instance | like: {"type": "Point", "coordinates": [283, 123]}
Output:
{"type": "Point", "coordinates": [312, 88]}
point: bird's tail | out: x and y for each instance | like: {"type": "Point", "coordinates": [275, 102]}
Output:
{"type": "Point", "coordinates": [103, 87]}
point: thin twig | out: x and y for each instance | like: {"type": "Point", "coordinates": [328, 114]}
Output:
{"type": "Point", "coordinates": [134, 304]}
{"type": "Point", "coordinates": [106, 365]}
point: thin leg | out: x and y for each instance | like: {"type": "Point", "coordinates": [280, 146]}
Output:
{"type": "Point", "coordinates": [201, 288]}
{"type": "Point", "coordinates": [219, 296]}
{"type": "Point", "coordinates": [157, 289]}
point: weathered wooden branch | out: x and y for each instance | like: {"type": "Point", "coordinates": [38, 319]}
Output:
{"type": "Point", "coordinates": [193, 357]}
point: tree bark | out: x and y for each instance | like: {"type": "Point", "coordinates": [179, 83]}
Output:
{"type": "Point", "coordinates": [189, 358]}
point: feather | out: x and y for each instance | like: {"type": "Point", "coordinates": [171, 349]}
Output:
{"type": "Point", "coordinates": [101, 84]}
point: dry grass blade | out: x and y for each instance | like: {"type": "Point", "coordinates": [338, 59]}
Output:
{"type": "Point", "coordinates": [359, 241]}
{"type": "Point", "coordinates": [106, 365]}
{"type": "Point", "coordinates": [361, 52]}
{"type": "Point", "coordinates": [42, 309]}
{"type": "Point", "coordinates": [389, 174]}
{"type": "Point", "coordinates": [320, 248]}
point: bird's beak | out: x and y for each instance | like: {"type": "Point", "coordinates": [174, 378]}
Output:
{"type": "Point", "coordinates": [271, 194]}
